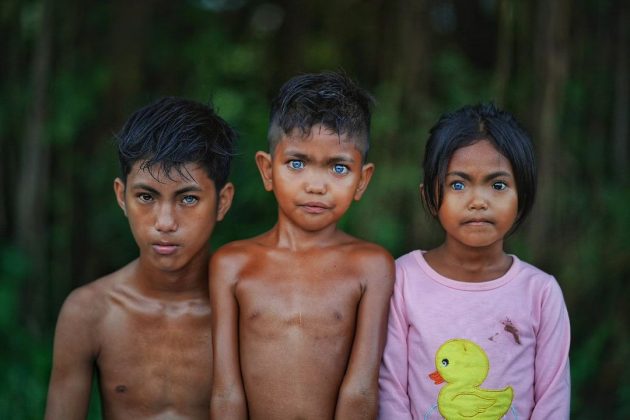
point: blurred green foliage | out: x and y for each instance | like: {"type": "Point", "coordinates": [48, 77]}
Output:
{"type": "Point", "coordinates": [99, 61]}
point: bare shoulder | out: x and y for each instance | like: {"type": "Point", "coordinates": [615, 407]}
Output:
{"type": "Point", "coordinates": [373, 261]}
{"type": "Point", "coordinates": [235, 249]}
{"type": "Point", "coordinates": [231, 258]}
{"type": "Point", "coordinates": [88, 304]}
{"type": "Point", "coordinates": [369, 253]}
{"type": "Point", "coordinates": [77, 334]}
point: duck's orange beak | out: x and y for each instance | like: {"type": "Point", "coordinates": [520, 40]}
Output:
{"type": "Point", "coordinates": [436, 377]}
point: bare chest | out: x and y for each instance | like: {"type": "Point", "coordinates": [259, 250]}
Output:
{"type": "Point", "coordinates": [314, 300]}
{"type": "Point", "coordinates": [155, 359]}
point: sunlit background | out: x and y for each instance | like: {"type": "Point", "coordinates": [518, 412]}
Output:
{"type": "Point", "coordinates": [73, 70]}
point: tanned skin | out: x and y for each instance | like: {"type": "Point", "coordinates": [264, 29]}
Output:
{"type": "Point", "coordinates": [146, 327]}
{"type": "Point", "coordinates": [478, 209]}
{"type": "Point", "coordinates": [300, 312]}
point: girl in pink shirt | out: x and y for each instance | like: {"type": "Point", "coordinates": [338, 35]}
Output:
{"type": "Point", "coordinates": [475, 333]}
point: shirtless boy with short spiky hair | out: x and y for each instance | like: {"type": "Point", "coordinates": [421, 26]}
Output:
{"type": "Point", "coordinates": [300, 312]}
{"type": "Point", "coordinates": [146, 327]}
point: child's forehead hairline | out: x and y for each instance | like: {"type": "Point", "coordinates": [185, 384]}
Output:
{"type": "Point", "coordinates": [448, 152]}
{"type": "Point", "coordinates": [298, 135]}
{"type": "Point", "coordinates": [296, 140]}
{"type": "Point", "coordinates": [175, 169]}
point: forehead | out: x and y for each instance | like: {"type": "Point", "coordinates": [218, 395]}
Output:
{"type": "Point", "coordinates": [189, 174]}
{"type": "Point", "coordinates": [320, 141]}
{"type": "Point", "coordinates": [481, 155]}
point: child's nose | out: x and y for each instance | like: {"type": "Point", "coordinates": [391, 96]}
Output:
{"type": "Point", "coordinates": [478, 202]}
{"type": "Point", "coordinates": [165, 219]}
{"type": "Point", "coordinates": [315, 185]}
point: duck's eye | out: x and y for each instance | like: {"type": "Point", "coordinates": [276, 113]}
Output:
{"type": "Point", "coordinates": [444, 362]}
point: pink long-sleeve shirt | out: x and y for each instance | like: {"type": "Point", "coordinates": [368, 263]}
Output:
{"type": "Point", "coordinates": [519, 320]}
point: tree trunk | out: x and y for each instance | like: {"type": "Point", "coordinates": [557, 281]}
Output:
{"type": "Point", "coordinates": [130, 31]}
{"type": "Point", "coordinates": [620, 122]}
{"type": "Point", "coordinates": [505, 41]}
{"type": "Point", "coordinates": [32, 184]}
{"type": "Point", "coordinates": [551, 58]}
{"type": "Point", "coordinates": [405, 68]}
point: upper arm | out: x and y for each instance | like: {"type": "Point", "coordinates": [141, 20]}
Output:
{"type": "Point", "coordinates": [74, 353]}
{"type": "Point", "coordinates": [227, 386]}
{"type": "Point", "coordinates": [393, 397]}
{"type": "Point", "coordinates": [371, 328]}
{"type": "Point", "coordinates": [552, 389]}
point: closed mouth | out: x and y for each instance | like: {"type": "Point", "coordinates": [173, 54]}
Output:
{"type": "Point", "coordinates": [164, 248]}
{"type": "Point", "coordinates": [314, 207]}
{"type": "Point", "coordinates": [477, 222]}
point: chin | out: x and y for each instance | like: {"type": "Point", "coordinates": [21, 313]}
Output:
{"type": "Point", "coordinates": [480, 244]}
{"type": "Point", "coordinates": [169, 266]}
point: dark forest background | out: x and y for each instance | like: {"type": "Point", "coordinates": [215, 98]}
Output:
{"type": "Point", "coordinates": [73, 70]}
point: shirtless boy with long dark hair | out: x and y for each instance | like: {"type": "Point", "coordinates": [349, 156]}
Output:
{"type": "Point", "coordinates": [300, 312]}
{"type": "Point", "coordinates": [145, 328]}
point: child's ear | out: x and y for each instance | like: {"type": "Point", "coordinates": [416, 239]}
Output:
{"type": "Point", "coordinates": [119, 190]}
{"type": "Point", "coordinates": [366, 174]}
{"type": "Point", "coordinates": [265, 167]}
{"type": "Point", "coordinates": [225, 200]}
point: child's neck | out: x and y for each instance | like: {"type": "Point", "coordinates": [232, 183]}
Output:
{"type": "Point", "coordinates": [287, 235]}
{"type": "Point", "coordinates": [467, 264]}
{"type": "Point", "coordinates": [185, 283]}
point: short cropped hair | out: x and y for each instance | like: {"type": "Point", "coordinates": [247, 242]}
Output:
{"type": "Point", "coordinates": [331, 99]}
{"type": "Point", "coordinates": [467, 126]}
{"type": "Point", "coordinates": [172, 132]}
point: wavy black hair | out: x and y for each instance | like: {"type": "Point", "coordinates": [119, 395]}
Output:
{"type": "Point", "coordinates": [329, 98]}
{"type": "Point", "coordinates": [469, 125]}
{"type": "Point", "coordinates": [172, 132]}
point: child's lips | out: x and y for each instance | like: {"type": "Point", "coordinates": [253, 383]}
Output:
{"type": "Point", "coordinates": [165, 249]}
{"type": "Point", "coordinates": [477, 222]}
{"type": "Point", "coordinates": [315, 207]}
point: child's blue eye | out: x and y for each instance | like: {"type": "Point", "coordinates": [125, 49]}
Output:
{"type": "Point", "coordinates": [457, 186]}
{"type": "Point", "coordinates": [190, 199]}
{"type": "Point", "coordinates": [499, 185]}
{"type": "Point", "coordinates": [296, 164]}
{"type": "Point", "coordinates": [340, 169]}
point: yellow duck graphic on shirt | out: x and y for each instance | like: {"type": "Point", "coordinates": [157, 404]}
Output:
{"type": "Point", "coordinates": [463, 365]}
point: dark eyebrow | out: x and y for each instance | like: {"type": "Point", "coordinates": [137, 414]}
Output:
{"type": "Point", "coordinates": [141, 186]}
{"type": "Point", "coordinates": [344, 158]}
{"type": "Point", "coordinates": [459, 174]}
{"type": "Point", "coordinates": [498, 174]}
{"type": "Point", "coordinates": [188, 188]}
{"type": "Point", "coordinates": [341, 158]}
{"type": "Point", "coordinates": [296, 155]}
{"type": "Point", "coordinates": [493, 175]}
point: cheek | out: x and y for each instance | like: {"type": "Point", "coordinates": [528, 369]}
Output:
{"type": "Point", "coordinates": [201, 217]}
{"type": "Point", "coordinates": [281, 191]}
{"type": "Point", "coordinates": [137, 217]}
{"type": "Point", "coordinates": [510, 208]}
{"type": "Point", "coordinates": [445, 215]}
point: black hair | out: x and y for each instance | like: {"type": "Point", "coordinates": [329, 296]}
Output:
{"type": "Point", "coordinates": [172, 132]}
{"type": "Point", "coordinates": [331, 99]}
{"type": "Point", "coordinates": [467, 126]}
